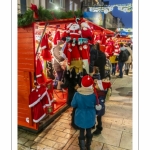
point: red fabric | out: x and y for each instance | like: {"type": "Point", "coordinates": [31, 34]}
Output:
{"type": "Point", "coordinates": [39, 72]}
{"type": "Point", "coordinates": [72, 52]}
{"type": "Point", "coordinates": [45, 48]}
{"type": "Point", "coordinates": [56, 37]}
{"type": "Point", "coordinates": [84, 51]}
{"type": "Point", "coordinates": [86, 33]}
{"type": "Point", "coordinates": [103, 85]}
{"type": "Point", "coordinates": [38, 112]}
{"type": "Point", "coordinates": [36, 105]}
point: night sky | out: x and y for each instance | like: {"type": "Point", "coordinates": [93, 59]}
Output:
{"type": "Point", "coordinates": [126, 17]}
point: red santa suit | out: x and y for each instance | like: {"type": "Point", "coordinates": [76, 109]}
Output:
{"type": "Point", "coordinates": [56, 37]}
{"type": "Point", "coordinates": [35, 103]}
{"type": "Point", "coordinates": [39, 72]}
{"type": "Point", "coordinates": [45, 48]}
{"type": "Point", "coordinates": [84, 50]}
{"type": "Point", "coordinates": [45, 97]}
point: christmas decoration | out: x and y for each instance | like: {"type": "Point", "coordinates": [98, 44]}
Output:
{"type": "Point", "coordinates": [122, 7]}
{"type": "Point", "coordinates": [41, 14]}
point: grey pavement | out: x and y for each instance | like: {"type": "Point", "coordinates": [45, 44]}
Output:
{"type": "Point", "coordinates": [117, 125]}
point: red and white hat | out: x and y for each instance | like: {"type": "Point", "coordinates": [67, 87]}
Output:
{"type": "Point", "coordinates": [103, 85]}
{"type": "Point", "coordinates": [87, 81]}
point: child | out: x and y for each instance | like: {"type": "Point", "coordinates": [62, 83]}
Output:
{"type": "Point", "coordinates": [84, 101]}
{"type": "Point", "coordinates": [101, 87]}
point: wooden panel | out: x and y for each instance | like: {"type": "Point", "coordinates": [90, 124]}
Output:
{"type": "Point", "coordinates": [26, 52]}
{"type": "Point", "coordinates": [24, 88]}
{"type": "Point", "coordinates": [25, 35]}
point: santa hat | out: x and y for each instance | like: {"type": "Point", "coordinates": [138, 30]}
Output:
{"type": "Point", "coordinates": [56, 37]}
{"type": "Point", "coordinates": [87, 81]}
{"type": "Point", "coordinates": [103, 85]}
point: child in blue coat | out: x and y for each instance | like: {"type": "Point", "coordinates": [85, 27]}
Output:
{"type": "Point", "coordinates": [84, 101]}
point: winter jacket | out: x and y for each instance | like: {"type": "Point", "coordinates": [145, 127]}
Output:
{"type": "Point", "coordinates": [84, 101]}
{"type": "Point", "coordinates": [56, 55]}
{"type": "Point", "coordinates": [112, 59]}
{"type": "Point", "coordinates": [120, 54]}
{"type": "Point", "coordinates": [93, 57]}
{"type": "Point", "coordinates": [130, 57]}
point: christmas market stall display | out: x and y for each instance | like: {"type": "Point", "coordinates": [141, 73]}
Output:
{"type": "Point", "coordinates": [45, 41]}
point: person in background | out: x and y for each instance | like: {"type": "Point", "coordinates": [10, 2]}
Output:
{"type": "Point", "coordinates": [120, 62]}
{"type": "Point", "coordinates": [84, 101]}
{"type": "Point", "coordinates": [129, 61]}
{"type": "Point", "coordinates": [114, 64]}
{"type": "Point", "coordinates": [100, 61]}
{"type": "Point", "coordinates": [71, 83]}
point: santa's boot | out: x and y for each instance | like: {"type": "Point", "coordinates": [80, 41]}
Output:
{"type": "Point", "coordinates": [88, 142]}
{"type": "Point", "coordinates": [82, 143]}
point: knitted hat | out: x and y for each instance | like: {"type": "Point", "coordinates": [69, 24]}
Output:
{"type": "Point", "coordinates": [87, 81]}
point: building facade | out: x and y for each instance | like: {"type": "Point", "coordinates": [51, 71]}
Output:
{"type": "Point", "coordinates": [64, 5]}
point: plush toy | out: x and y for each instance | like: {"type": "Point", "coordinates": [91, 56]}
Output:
{"type": "Point", "coordinates": [74, 31]}
{"type": "Point", "coordinates": [86, 31]}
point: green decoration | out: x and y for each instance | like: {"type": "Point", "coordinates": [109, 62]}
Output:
{"type": "Point", "coordinates": [45, 15]}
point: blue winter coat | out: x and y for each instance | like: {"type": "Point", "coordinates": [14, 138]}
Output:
{"type": "Point", "coordinates": [85, 113]}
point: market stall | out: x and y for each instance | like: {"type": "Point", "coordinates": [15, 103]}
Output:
{"type": "Point", "coordinates": [36, 89]}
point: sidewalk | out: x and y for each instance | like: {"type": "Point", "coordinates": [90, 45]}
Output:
{"type": "Point", "coordinates": [117, 125]}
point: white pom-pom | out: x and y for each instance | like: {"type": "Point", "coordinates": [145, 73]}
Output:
{"type": "Point", "coordinates": [98, 107]}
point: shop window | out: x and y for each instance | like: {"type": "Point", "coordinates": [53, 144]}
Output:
{"type": "Point", "coordinates": [71, 5]}
{"type": "Point", "coordinates": [23, 6]}
{"type": "Point", "coordinates": [75, 7]}
{"type": "Point", "coordinates": [62, 3]}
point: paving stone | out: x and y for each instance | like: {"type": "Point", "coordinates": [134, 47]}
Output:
{"type": "Point", "coordinates": [110, 147]}
{"type": "Point", "coordinates": [42, 134]}
{"type": "Point", "coordinates": [38, 146]}
{"type": "Point", "coordinates": [72, 147]}
{"type": "Point", "coordinates": [59, 128]}
{"type": "Point", "coordinates": [126, 141]}
{"type": "Point", "coordinates": [48, 142]}
{"type": "Point", "coordinates": [70, 131]}
{"type": "Point", "coordinates": [109, 136]}
{"type": "Point", "coordinates": [59, 146]}
{"type": "Point", "coordinates": [62, 140]}
{"type": "Point", "coordinates": [38, 139]}
{"type": "Point", "coordinates": [29, 143]}
{"type": "Point", "coordinates": [96, 145]}
{"type": "Point", "coordinates": [68, 143]}
{"type": "Point", "coordinates": [51, 137]}
{"type": "Point", "coordinates": [61, 134]}
{"type": "Point", "coordinates": [22, 140]}
{"type": "Point", "coordinates": [68, 136]}
{"type": "Point", "coordinates": [52, 131]}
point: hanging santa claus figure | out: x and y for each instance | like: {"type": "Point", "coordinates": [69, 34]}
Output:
{"type": "Point", "coordinates": [74, 32]}
{"type": "Point", "coordinates": [45, 53]}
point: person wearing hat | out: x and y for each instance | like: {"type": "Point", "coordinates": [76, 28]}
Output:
{"type": "Point", "coordinates": [84, 101]}
{"type": "Point", "coordinates": [101, 87]}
